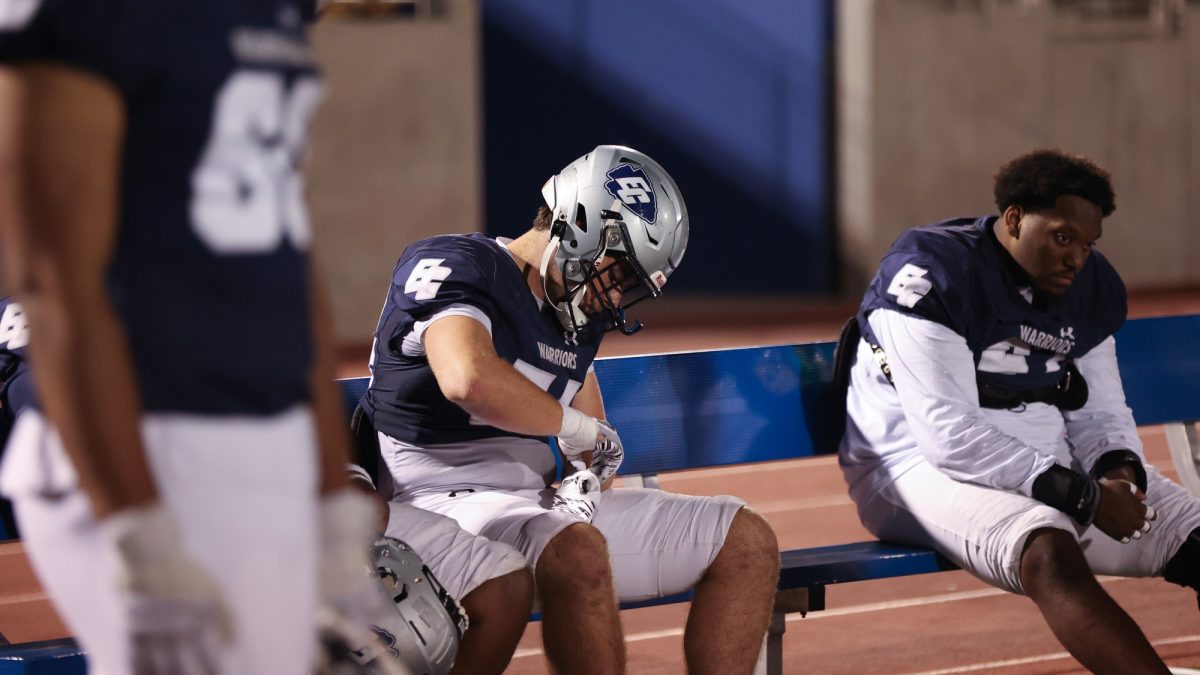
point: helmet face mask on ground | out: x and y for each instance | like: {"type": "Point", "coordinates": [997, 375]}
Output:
{"type": "Point", "coordinates": [421, 638]}
{"type": "Point", "coordinates": [620, 228]}
{"type": "Point", "coordinates": [429, 623]}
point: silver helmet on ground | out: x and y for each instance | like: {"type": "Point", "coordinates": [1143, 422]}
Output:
{"type": "Point", "coordinates": [420, 638]}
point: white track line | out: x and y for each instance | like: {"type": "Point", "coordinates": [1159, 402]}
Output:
{"type": "Point", "coordinates": [1008, 663]}
{"type": "Point", "coordinates": [833, 613]}
{"type": "Point", "coordinates": [801, 503]}
{"type": "Point", "coordinates": [735, 469]}
{"type": "Point", "coordinates": [17, 598]}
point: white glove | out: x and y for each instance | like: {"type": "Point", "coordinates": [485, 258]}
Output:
{"type": "Point", "coordinates": [347, 581]}
{"type": "Point", "coordinates": [577, 434]}
{"type": "Point", "coordinates": [608, 453]}
{"type": "Point", "coordinates": [578, 495]}
{"type": "Point", "coordinates": [178, 621]}
{"type": "Point", "coordinates": [354, 601]}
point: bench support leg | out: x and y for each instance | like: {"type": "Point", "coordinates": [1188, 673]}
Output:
{"type": "Point", "coordinates": [1185, 453]}
{"type": "Point", "coordinates": [770, 659]}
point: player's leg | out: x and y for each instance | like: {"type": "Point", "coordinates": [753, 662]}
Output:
{"type": "Point", "coordinates": [662, 543]}
{"type": "Point", "coordinates": [1017, 544]}
{"type": "Point", "coordinates": [571, 569]}
{"type": "Point", "coordinates": [499, 612]}
{"type": "Point", "coordinates": [733, 601]}
{"type": "Point", "coordinates": [490, 579]}
{"type": "Point", "coordinates": [243, 491]}
{"type": "Point", "coordinates": [579, 605]}
{"type": "Point", "coordinates": [1084, 618]}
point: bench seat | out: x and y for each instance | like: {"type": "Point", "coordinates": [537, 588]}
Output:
{"type": "Point", "coordinates": [724, 407]}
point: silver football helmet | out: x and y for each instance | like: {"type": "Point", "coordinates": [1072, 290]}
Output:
{"type": "Point", "coordinates": [614, 202]}
{"type": "Point", "coordinates": [420, 638]}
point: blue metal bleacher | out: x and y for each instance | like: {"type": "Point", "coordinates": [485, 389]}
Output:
{"type": "Point", "coordinates": [701, 409]}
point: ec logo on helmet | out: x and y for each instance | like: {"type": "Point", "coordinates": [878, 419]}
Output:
{"type": "Point", "coordinates": [631, 185]}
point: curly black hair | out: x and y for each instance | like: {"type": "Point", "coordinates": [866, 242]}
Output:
{"type": "Point", "coordinates": [1037, 179]}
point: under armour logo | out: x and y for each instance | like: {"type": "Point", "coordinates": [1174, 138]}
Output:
{"type": "Point", "coordinates": [1067, 333]}
{"type": "Point", "coordinates": [632, 186]}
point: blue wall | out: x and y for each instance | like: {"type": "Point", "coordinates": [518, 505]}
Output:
{"type": "Point", "coordinates": [731, 96]}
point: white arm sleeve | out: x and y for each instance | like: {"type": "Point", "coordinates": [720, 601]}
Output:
{"type": "Point", "coordinates": [934, 374]}
{"type": "Point", "coordinates": [1105, 422]}
{"type": "Point", "coordinates": [414, 340]}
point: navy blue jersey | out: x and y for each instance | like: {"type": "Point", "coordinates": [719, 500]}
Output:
{"type": "Point", "coordinates": [209, 276]}
{"type": "Point", "coordinates": [16, 386]}
{"type": "Point", "coordinates": [957, 274]}
{"type": "Point", "coordinates": [404, 400]}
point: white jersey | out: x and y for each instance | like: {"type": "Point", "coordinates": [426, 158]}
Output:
{"type": "Point", "coordinates": [932, 414]}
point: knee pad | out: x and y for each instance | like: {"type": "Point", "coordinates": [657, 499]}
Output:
{"type": "Point", "coordinates": [1184, 567]}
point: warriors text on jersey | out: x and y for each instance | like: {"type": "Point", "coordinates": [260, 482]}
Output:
{"type": "Point", "coordinates": [209, 275]}
{"type": "Point", "coordinates": [475, 276]}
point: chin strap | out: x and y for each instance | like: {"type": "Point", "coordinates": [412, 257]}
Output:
{"type": "Point", "coordinates": [569, 315]}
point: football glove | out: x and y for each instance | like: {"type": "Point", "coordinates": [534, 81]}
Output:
{"type": "Point", "coordinates": [608, 453]}
{"type": "Point", "coordinates": [178, 621]}
{"type": "Point", "coordinates": [578, 495]}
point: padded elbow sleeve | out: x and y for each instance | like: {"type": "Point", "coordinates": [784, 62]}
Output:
{"type": "Point", "coordinates": [1069, 491]}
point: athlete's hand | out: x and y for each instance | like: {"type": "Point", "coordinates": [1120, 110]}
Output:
{"type": "Point", "coordinates": [347, 582]}
{"type": "Point", "coordinates": [178, 620]}
{"type": "Point", "coordinates": [608, 453]}
{"type": "Point", "coordinates": [578, 495]}
{"type": "Point", "coordinates": [1123, 472]}
{"type": "Point", "coordinates": [1123, 513]}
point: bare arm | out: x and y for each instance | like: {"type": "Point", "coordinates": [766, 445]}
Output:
{"type": "Point", "coordinates": [588, 399]}
{"type": "Point", "coordinates": [471, 375]}
{"type": "Point", "coordinates": [333, 430]}
{"type": "Point", "coordinates": [61, 133]}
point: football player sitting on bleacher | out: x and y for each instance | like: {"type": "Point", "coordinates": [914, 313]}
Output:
{"type": "Point", "coordinates": [484, 350]}
{"type": "Point", "coordinates": [986, 417]}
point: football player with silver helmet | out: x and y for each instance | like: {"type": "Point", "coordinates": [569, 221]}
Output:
{"type": "Point", "coordinates": [484, 350]}
{"type": "Point", "coordinates": [618, 228]}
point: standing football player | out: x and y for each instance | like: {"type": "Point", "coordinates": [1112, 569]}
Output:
{"type": "Point", "coordinates": [154, 231]}
{"type": "Point", "coordinates": [986, 417]}
{"type": "Point", "coordinates": [484, 349]}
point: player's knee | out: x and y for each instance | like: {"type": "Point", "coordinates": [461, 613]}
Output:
{"type": "Point", "coordinates": [1184, 567]}
{"type": "Point", "coordinates": [509, 596]}
{"type": "Point", "coordinates": [750, 547]}
{"type": "Point", "coordinates": [577, 556]}
{"type": "Point", "coordinates": [1052, 559]}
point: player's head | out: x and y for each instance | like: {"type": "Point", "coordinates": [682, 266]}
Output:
{"type": "Point", "coordinates": [1051, 205]}
{"type": "Point", "coordinates": [618, 228]}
